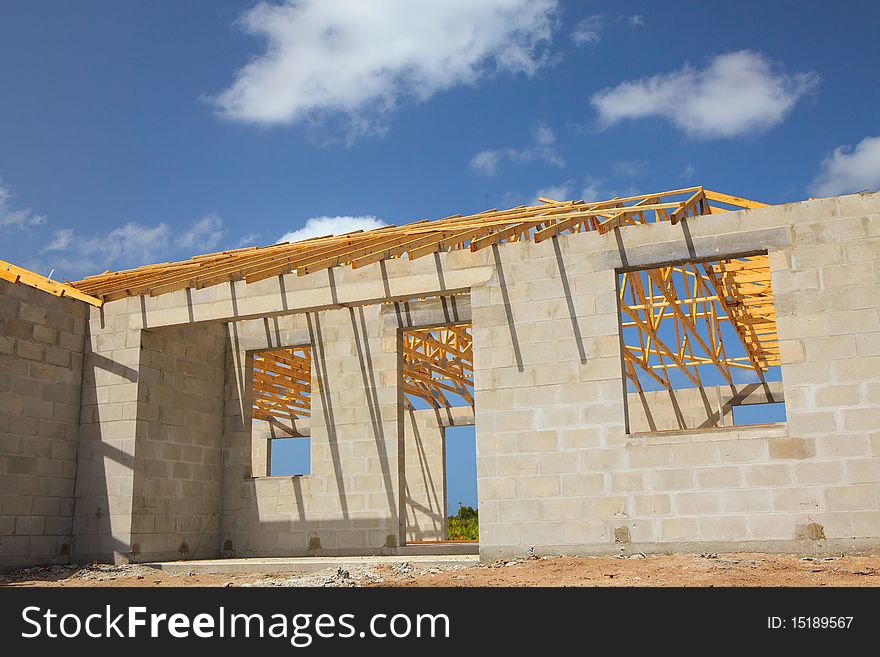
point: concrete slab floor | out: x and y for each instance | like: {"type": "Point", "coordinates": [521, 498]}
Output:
{"type": "Point", "coordinates": [270, 565]}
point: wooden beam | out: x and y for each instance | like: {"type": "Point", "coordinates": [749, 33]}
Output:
{"type": "Point", "coordinates": [19, 275]}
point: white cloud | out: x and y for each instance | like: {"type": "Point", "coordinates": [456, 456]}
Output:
{"type": "Point", "coordinates": [130, 245]}
{"type": "Point", "coordinates": [359, 59]}
{"type": "Point", "coordinates": [689, 170]}
{"type": "Point", "coordinates": [594, 190]}
{"type": "Point", "coordinates": [542, 148]}
{"type": "Point", "coordinates": [560, 192]}
{"type": "Point", "coordinates": [320, 226]}
{"type": "Point", "coordinates": [62, 240]}
{"type": "Point", "coordinates": [486, 162]}
{"type": "Point", "coordinates": [203, 235]}
{"type": "Point", "coordinates": [543, 135]}
{"type": "Point", "coordinates": [737, 93]}
{"type": "Point", "coordinates": [636, 20]}
{"type": "Point", "coordinates": [591, 29]}
{"type": "Point", "coordinates": [631, 168]}
{"type": "Point", "coordinates": [588, 30]}
{"type": "Point", "coordinates": [846, 170]}
{"type": "Point", "coordinates": [248, 240]}
{"type": "Point", "coordinates": [16, 218]}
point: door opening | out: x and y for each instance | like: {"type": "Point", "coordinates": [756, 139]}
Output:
{"type": "Point", "coordinates": [462, 521]}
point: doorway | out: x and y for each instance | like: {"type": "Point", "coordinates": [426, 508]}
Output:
{"type": "Point", "coordinates": [460, 455]}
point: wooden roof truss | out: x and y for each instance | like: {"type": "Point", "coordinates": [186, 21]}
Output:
{"type": "Point", "coordinates": [414, 240]}
{"type": "Point", "coordinates": [438, 366]}
{"type": "Point", "coordinates": [282, 383]}
{"type": "Point", "coordinates": [675, 316]}
{"type": "Point", "coordinates": [693, 300]}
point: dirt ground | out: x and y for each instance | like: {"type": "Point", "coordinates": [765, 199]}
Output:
{"type": "Point", "coordinates": [635, 570]}
{"type": "Point", "coordinates": [666, 570]}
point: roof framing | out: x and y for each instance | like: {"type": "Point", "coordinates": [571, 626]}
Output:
{"type": "Point", "coordinates": [438, 362]}
{"type": "Point", "coordinates": [414, 240]}
{"type": "Point", "coordinates": [282, 383]}
{"type": "Point", "coordinates": [678, 312]}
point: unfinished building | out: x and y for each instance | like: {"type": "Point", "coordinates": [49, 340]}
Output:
{"type": "Point", "coordinates": [678, 371]}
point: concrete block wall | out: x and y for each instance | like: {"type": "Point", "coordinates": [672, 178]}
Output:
{"type": "Point", "coordinates": [356, 438]}
{"type": "Point", "coordinates": [150, 439]}
{"type": "Point", "coordinates": [547, 381]}
{"type": "Point", "coordinates": [107, 436]}
{"type": "Point", "coordinates": [557, 470]}
{"type": "Point", "coordinates": [696, 408]}
{"type": "Point", "coordinates": [177, 464]}
{"type": "Point", "coordinates": [424, 489]}
{"type": "Point", "coordinates": [827, 297]}
{"type": "Point", "coordinates": [351, 499]}
{"type": "Point", "coordinates": [260, 515]}
{"type": "Point", "coordinates": [41, 353]}
{"type": "Point", "coordinates": [425, 467]}
{"type": "Point", "coordinates": [424, 486]}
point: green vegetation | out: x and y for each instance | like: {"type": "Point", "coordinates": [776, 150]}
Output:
{"type": "Point", "coordinates": [464, 525]}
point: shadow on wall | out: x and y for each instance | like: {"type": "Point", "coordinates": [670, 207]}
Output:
{"type": "Point", "coordinates": [105, 457]}
{"type": "Point", "coordinates": [340, 506]}
{"type": "Point", "coordinates": [291, 516]}
{"type": "Point", "coordinates": [704, 407]}
{"type": "Point", "coordinates": [424, 485]}
{"type": "Point", "coordinates": [148, 485]}
{"type": "Point", "coordinates": [362, 344]}
{"type": "Point", "coordinates": [508, 308]}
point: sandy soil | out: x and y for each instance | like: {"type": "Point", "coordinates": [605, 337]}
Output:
{"type": "Point", "coordinates": [665, 570]}
{"type": "Point", "coordinates": [107, 575]}
{"type": "Point", "coordinates": [636, 570]}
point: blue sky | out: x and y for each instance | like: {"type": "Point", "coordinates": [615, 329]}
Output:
{"type": "Point", "coordinates": [461, 468]}
{"type": "Point", "coordinates": [145, 131]}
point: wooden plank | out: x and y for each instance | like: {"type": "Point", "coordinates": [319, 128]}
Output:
{"type": "Point", "coordinates": [733, 200]}
{"type": "Point", "coordinates": [690, 204]}
{"type": "Point", "coordinates": [625, 212]}
{"type": "Point", "coordinates": [19, 275]}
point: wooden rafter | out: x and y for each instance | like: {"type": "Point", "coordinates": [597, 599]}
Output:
{"type": "Point", "coordinates": [413, 240]}
{"type": "Point", "coordinates": [438, 368]}
{"type": "Point", "coordinates": [678, 312]}
{"type": "Point", "coordinates": [282, 383]}
{"type": "Point", "coordinates": [436, 362]}
{"type": "Point", "coordinates": [19, 275]}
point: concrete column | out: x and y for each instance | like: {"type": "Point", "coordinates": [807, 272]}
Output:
{"type": "Point", "coordinates": [177, 474]}
{"type": "Point", "coordinates": [548, 389]}
{"type": "Point", "coordinates": [107, 437]}
{"type": "Point", "coordinates": [149, 439]}
{"type": "Point", "coordinates": [356, 437]}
